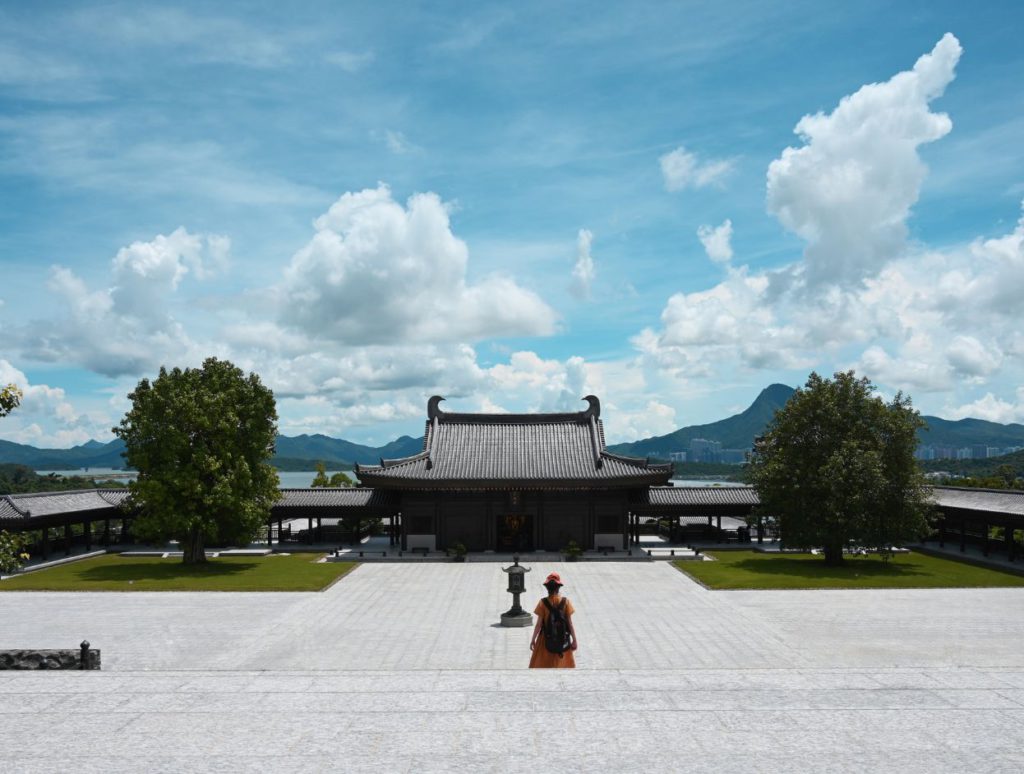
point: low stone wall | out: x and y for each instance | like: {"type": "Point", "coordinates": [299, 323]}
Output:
{"type": "Point", "coordinates": [48, 659]}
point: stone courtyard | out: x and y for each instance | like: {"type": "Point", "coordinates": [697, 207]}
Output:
{"type": "Point", "coordinates": [402, 667]}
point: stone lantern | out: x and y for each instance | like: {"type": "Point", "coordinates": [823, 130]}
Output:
{"type": "Point", "coordinates": [516, 616]}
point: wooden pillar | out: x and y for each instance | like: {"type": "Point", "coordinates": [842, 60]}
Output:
{"type": "Point", "coordinates": [319, 530]}
{"type": "Point", "coordinates": [625, 531]}
{"type": "Point", "coordinates": [87, 529]}
{"type": "Point", "coordinates": [106, 533]}
{"type": "Point", "coordinates": [280, 530]}
{"type": "Point", "coordinates": [760, 529]}
{"type": "Point", "coordinates": [309, 530]}
{"type": "Point", "coordinates": [985, 550]}
{"type": "Point", "coordinates": [270, 532]}
{"type": "Point", "coordinates": [46, 542]}
{"type": "Point", "coordinates": [67, 537]}
{"type": "Point", "coordinates": [718, 525]}
{"type": "Point", "coordinates": [404, 539]}
{"type": "Point", "coordinates": [1008, 535]}
{"type": "Point", "coordinates": [963, 535]}
{"type": "Point", "coordinates": [942, 532]}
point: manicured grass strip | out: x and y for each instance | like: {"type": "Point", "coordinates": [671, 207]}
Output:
{"type": "Point", "coordinates": [753, 570]}
{"type": "Point", "coordinates": [297, 572]}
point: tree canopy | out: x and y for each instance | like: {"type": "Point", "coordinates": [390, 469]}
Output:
{"type": "Point", "coordinates": [322, 480]}
{"type": "Point", "coordinates": [10, 398]}
{"type": "Point", "coordinates": [836, 467]}
{"type": "Point", "coordinates": [201, 440]}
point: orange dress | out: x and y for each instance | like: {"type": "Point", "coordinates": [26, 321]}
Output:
{"type": "Point", "coordinates": [542, 658]}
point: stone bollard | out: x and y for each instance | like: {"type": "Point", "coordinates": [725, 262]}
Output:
{"type": "Point", "coordinates": [83, 662]}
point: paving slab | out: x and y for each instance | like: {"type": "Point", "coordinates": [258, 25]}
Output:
{"type": "Point", "coordinates": [404, 667]}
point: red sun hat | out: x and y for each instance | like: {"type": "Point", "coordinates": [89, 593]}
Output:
{"type": "Point", "coordinates": [553, 577]}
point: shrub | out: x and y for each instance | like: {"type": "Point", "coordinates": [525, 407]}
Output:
{"type": "Point", "coordinates": [12, 552]}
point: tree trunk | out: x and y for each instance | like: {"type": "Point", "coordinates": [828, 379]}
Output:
{"type": "Point", "coordinates": [193, 549]}
{"type": "Point", "coordinates": [834, 555]}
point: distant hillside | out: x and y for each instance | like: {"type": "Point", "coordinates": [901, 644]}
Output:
{"type": "Point", "coordinates": [298, 453]}
{"type": "Point", "coordinates": [736, 432]}
{"type": "Point", "coordinates": [965, 432]}
{"type": "Point", "coordinates": [739, 431]}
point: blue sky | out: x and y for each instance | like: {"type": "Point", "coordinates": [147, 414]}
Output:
{"type": "Point", "coordinates": [510, 205]}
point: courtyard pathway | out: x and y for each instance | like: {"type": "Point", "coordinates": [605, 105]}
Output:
{"type": "Point", "coordinates": [400, 667]}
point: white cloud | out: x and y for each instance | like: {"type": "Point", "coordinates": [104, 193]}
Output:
{"type": "Point", "coordinates": [682, 169]}
{"type": "Point", "coordinates": [991, 408]}
{"type": "Point", "coordinates": [202, 39]}
{"type": "Point", "coordinates": [583, 272]}
{"type": "Point", "coordinates": [849, 189]}
{"type": "Point", "coordinates": [128, 327]}
{"type": "Point", "coordinates": [717, 241]}
{"type": "Point", "coordinates": [398, 143]}
{"type": "Point", "coordinates": [41, 403]}
{"type": "Point", "coordinates": [377, 272]}
{"type": "Point", "coordinates": [861, 296]}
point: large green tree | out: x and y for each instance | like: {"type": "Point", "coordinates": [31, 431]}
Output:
{"type": "Point", "coordinates": [10, 397]}
{"type": "Point", "coordinates": [836, 467]}
{"type": "Point", "coordinates": [201, 440]}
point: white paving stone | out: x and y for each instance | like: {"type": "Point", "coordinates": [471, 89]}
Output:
{"type": "Point", "coordinates": [402, 668]}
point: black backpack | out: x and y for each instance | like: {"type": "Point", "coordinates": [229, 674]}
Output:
{"type": "Point", "coordinates": [556, 628]}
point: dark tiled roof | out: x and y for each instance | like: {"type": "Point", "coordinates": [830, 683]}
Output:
{"type": "Point", "coordinates": [989, 500]}
{"type": "Point", "coordinates": [39, 504]}
{"type": "Point", "coordinates": [519, 448]}
{"type": "Point", "coordinates": [335, 498]}
{"type": "Point", "coordinates": [701, 495]}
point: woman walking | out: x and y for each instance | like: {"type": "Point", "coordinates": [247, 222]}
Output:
{"type": "Point", "coordinates": [554, 638]}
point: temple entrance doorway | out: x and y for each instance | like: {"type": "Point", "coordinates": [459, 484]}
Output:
{"type": "Point", "coordinates": [515, 533]}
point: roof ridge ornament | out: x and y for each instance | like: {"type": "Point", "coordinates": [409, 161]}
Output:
{"type": "Point", "coordinates": [594, 409]}
{"type": "Point", "coordinates": [433, 407]}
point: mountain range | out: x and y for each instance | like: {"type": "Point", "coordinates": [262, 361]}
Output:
{"type": "Point", "coordinates": [736, 432]}
{"type": "Point", "coordinates": [739, 430]}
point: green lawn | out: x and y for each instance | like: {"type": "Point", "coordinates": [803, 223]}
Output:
{"type": "Point", "coordinates": [297, 572]}
{"type": "Point", "coordinates": [753, 570]}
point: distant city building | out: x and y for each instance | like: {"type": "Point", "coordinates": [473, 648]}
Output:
{"type": "Point", "coordinates": [703, 450]}
{"type": "Point", "coordinates": [677, 456]}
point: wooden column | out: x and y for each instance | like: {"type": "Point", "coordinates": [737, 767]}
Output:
{"type": "Point", "coordinates": [985, 549]}
{"type": "Point", "coordinates": [1008, 535]}
{"type": "Point", "coordinates": [718, 524]}
{"type": "Point", "coordinates": [963, 535]}
{"type": "Point", "coordinates": [46, 542]}
{"type": "Point", "coordinates": [270, 532]}
{"type": "Point", "coordinates": [760, 529]}
{"type": "Point", "coordinates": [309, 530]}
{"type": "Point", "coordinates": [942, 532]}
{"type": "Point", "coordinates": [67, 537]}
{"type": "Point", "coordinates": [87, 529]}
{"type": "Point", "coordinates": [625, 531]}
{"type": "Point", "coordinates": [320, 530]}
{"type": "Point", "coordinates": [106, 533]}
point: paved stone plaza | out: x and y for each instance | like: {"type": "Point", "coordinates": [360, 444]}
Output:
{"type": "Point", "coordinates": [401, 667]}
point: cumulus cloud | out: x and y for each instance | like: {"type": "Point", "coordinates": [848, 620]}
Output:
{"type": "Point", "coordinates": [848, 190]}
{"type": "Point", "coordinates": [717, 241]}
{"type": "Point", "coordinates": [378, 272]}
{"type": "Point", "coordinates": [41, 405]}
{"type": "Point", "coordinates": [682, 169]}
{"type": "Point", "coordinates": [992, 408]}
{"type": "Point", "coordinates": [128, 327]}
{"type": "Point", "coordinates": [583, 272]}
